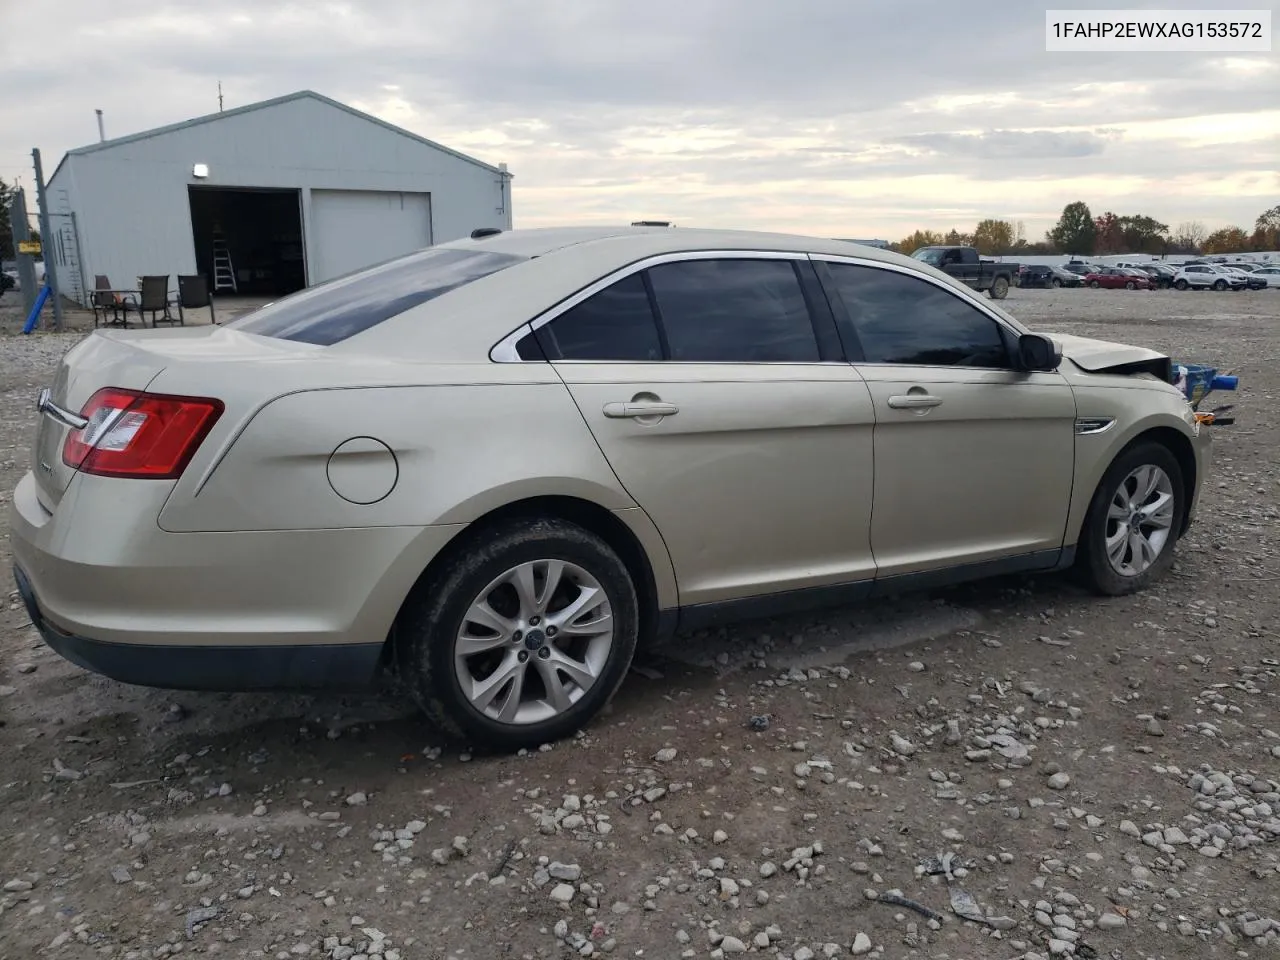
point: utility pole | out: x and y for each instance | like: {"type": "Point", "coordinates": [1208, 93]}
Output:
{"type": "Point", "coordinates": [46, 242]}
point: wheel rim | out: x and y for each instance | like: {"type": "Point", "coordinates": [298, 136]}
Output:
{"type": "Point", "coordinates": [1139, 520]}
{"type": "Point", "coordinates": [533, 642]}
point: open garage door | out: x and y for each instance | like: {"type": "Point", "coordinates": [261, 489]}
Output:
{"type": "Point", "coordinates": [355, 228]}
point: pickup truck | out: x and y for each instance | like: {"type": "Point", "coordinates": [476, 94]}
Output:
{"type": "Point", "coordinates": [965, 265]}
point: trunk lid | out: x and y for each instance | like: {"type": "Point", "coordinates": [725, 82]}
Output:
{"type": "Point", "coordinates": [129, 359]}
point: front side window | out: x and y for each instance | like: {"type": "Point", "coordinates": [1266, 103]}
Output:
{"type": "Point", "coordinates": [734, 311]}
{"type": "Point", "coordinates": [331, 312]}
{"type": "Point", "coordinates": [903, 319]}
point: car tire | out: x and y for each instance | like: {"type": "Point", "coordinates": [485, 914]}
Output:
{"type": "Point", "coordinates": [999, 288]}
{"type": "Point", "coordinates": [1219, 285]}
{"type": "Point", "coordinates": [1181, 284]}
{"type": "Point", "coordinates": [485, 570]}
{"type": "Point", "coordinates": [1130, 285]}
{"type": "Point", "coordinates": [1056, 282]}
{"type": "Point", "coordinates": [1125, 568]}
{"type": "Point", "coordinates": [1094, 284]}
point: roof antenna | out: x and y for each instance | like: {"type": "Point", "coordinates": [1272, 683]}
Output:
{"type": "Point", "coordinates": [101, 132]}
{"type": "Point", "coordinates": [219, 96]}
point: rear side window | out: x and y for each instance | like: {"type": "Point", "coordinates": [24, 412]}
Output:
{"type": "Point", "coordinates": [615, 324]}
{"type": "Point", "coordinates": [734, 311]}
{"type": "Point", "coordinates": [331, 312]}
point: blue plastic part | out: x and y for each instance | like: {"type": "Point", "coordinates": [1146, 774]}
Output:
{"type": "Point", "coordinates": [34, 316]}
{"type": "Point", "coordinates": [1224, 382]}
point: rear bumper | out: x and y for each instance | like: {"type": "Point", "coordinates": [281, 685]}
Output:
{"type": "Point", "coordinates": [224, 667]}
{"type": "Point", "coordinates": [244, 610]}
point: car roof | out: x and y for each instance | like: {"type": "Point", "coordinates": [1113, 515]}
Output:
{"type": "Point", "coordinates": [654, 241]}
{"type": "Point", "coordinates": [556, 262]}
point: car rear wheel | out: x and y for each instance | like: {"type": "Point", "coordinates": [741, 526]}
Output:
{"type": "Point", "coordinates": [1056, 282]}
{"type": "Point", "coordinates": [1181, 284]}
{"type": "Point", "coordinates": [1133, 521]}
{"type": "Point", "coordinates": [523, 637]}
{"type": "Point", "coordinates": [999, 288]}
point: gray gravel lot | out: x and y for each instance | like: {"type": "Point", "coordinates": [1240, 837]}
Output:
{"type": "Point", "coordinates": [1008, 769]}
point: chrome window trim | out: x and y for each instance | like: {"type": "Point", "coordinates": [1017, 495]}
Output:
{"type": "Point", "coordinates": [504, 351]}
{"type": "Point", "coordinates": [944, 287]}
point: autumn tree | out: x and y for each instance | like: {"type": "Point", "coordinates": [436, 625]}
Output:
{"type": "Point", "coordinates": [1189, 236]}
{"type": "Point", "coordinates": [955, 238]}
{"type": "Point", "coordinates": [1266, 233]}
{"type": "Point", "coordinates": [1227, 240]}
{"type": "Point", "coordinates": [993, 237]}
{"type": "Point", "coordinates": [921, 238]}
{"type": "Point", "coordinates": [1108, 235]}
{"type": "Point", "coordinates": [1075, 231]}
{"type": "Point", "coordinates": [1019, 235]}
{"type": "Point", "coordinates": [1142, 234]}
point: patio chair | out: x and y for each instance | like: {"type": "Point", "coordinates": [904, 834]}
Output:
{"type": "Point", "coordinates": [155, 299]}
{"type": "Point", "coordinates": [193, 293]}
{"type": "Point", "coordinates": [105, 299]}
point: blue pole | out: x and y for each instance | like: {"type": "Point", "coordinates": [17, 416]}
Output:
{"type": "Point", "coordinates": [35, 311]}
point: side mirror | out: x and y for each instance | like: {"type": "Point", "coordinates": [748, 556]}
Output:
{"type": "Point", "coordinates": [1038, 354]}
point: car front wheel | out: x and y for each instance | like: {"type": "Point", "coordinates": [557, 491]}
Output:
{"type": "Point", "coordinates": [1219, 285]}
{"type": "Point", "coordinates": [523, 637]}
{"type": "Point", "coordinates": [1133, 521]}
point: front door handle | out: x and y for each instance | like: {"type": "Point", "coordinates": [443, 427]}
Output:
{"type": "Point", "coordinates": [914, 401]}
{"type": "Point", "coordinates": [639, 409]}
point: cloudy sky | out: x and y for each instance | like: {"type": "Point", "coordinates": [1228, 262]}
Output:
{"type": "Point", "coordinates": [862, 118]}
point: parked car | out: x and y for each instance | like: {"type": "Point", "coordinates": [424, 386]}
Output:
{"type": "Point", "coordinates": [1044, 275]}
{"type": "Point", "coordinates": [1207, 276]}
{"type": "Point", "coordinates": [1252, 282]}
{"type": "Point", "coordinates": [1118, 278]}
{"type": "Point", "coordinates": [965, 265]}
{"type": "Point", "coordinates": [1080, 268]}
{"type": "Point", "coordinates": [1270, 274]}
{"type": "Point", "coordinates": [8, 281]}
{"type": "Point", "coordinates": [1161, 274]}
{"type": "Point", "coordinates": [495, 466]}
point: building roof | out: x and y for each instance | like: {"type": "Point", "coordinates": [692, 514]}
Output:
{"type": "Point", "coordinates": [261, 104]}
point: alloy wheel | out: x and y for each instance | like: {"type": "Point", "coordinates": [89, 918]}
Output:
{"type": "Point", "coordinates": [533, 642]}
{"type": "Point", "coordinates": [1139, 520]}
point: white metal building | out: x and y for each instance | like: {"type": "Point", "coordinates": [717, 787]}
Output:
{"type": "Point", "coordinates": [290, 191]}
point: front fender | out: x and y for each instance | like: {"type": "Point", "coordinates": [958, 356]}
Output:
{"type": "Point", "coordinates": [1095, 452]}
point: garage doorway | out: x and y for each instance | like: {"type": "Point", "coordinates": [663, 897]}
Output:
{"type": "Point", "coordinates": [351, 229]}
{"type": "Point", "coordinates": [248, 242]}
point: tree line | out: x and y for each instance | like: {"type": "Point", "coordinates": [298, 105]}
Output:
{"type": "Point", "coordinates": [1079, 232]}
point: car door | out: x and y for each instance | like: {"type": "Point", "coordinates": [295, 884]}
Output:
{"type": "Point", "coordinates": [716, 387]}
{"type": "Point", "coordinates": [973, 458]}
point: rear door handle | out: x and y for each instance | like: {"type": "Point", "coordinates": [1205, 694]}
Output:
{"type": "Point", "coordinates": [639, 409]}
{"type": "Point", "coordinates": [914, 401]}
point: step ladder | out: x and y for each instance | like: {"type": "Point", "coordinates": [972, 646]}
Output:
{"type": "Point", "coordinates": [224, 275]}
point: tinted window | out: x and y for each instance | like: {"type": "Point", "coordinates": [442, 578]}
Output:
{"type": "Point", "coordinates": [341, 308]}
{"type": "Point", "coordinates": [615, 324]}
{"type": "Point", "coordinates": [734, 311]}
{"type": "Point", "coordinates": [903, 319]}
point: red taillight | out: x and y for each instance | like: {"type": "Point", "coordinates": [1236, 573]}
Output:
{"type": "Point", "coordinates": [145, 435]}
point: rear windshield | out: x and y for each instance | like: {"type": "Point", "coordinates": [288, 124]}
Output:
{"type": "Point", "coordinates": [331, 312]}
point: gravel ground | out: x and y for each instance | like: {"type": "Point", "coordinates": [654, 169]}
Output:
{"type": "Point", "coordinates": [1009, 769]}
